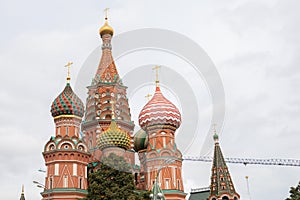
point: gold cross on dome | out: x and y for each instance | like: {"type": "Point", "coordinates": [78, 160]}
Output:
{"type": "Point", "coordinates": [106, 13]}
{"type": "Point", "coordinates": [156, 68]}
{"type": "Point", "coordinates": [148, 96]}
{"type": "Point", "coordinates": [68, 65]}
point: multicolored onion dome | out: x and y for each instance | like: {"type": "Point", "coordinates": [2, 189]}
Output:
{"type": "Point", "coordinates": [140, 140]}
{"type": "Point", "coordinates": [159, 111]}
{"type": "Point", "coordinates": [67, 103]}
{"type": "Point", "coordinates": [113, 137]}
{"type": "Point", "coordinates": [106, 29]}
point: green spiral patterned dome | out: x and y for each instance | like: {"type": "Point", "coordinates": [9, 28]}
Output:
{"type": "Point", "coordinates": [114, 137]}
{"type": "Point", "coordinates": [67, 103]}
{"type": "Point", "coordinates": [140, 140]}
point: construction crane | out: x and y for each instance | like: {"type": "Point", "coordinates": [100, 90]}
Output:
{"type": "Point", "coordinates": [248, 161]}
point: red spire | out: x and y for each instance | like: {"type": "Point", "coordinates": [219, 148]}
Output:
{"type": "Point", "coordinates": [107, 71]}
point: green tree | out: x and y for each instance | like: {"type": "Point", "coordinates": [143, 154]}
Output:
{"type": "Point", "coordinates": [113, 181]}
{"type": "Point", "coordinates": [294, 193]}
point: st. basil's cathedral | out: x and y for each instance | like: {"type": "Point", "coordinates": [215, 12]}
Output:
{"type": "Point", "coordinates": [106, 126]}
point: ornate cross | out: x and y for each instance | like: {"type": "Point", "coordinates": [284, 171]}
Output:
{"type": "Point", "coordinates": [148, 96]}
{"type": "Point", "coordinates": [106, 13]}
{"type": "Point", "coordinates": [156, 68]}
{"type": "Point", "coordinates": [215, 128]}
{"type": "Point", "coordinates": [68, 65]}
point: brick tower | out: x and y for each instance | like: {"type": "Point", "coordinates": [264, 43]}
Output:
{"type": "Point", "coordinates": [160, 158]}
{"type": "Point", "coordinates": [221, 186]}
{"type": "Point", "coordinates": [66, 155]}
{"type": "Point", "coordinates": [106, 87]}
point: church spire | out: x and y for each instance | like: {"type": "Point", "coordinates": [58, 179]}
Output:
{"type": "Point", "coordinates": [22, 194]}
{"type": "Point", "coordinates": [221, 182]}
{"type": "Point", "coordinates": [107, 72]}
{"type": "Point", "coordinates": [68, 65]}
{"type": "Point", "coordinates": [156, 68]}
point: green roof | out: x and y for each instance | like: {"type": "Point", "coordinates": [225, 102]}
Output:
{"type": "Point", "coordinates": [201, 195]}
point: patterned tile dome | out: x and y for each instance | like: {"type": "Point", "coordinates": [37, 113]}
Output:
{"type": "Point", "coordinates": [67, 103]}
{"type": "Point", "coordinates": [159, 111]}
{"type": "Point", "coordinates": [140, 140]}
{"type": "Point", "coordinates": [113, 137]}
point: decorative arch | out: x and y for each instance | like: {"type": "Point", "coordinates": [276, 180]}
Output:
{"type": "Point", "coordinates": [82, 147]}
{"type": "Point", "coordinates": [66, 142]}
{"type": "Point", "coordinates": [51, 146]}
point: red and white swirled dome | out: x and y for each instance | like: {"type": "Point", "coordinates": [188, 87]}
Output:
{"type": "Point", "coordinates": [159, 111]}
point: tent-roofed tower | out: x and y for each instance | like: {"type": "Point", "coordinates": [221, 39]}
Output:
{"type": "Point", "coordinates": [106, 87]}
{"type": "Point", "coordinates": [66, 155]}
{"type": "Point", "coordinates": [221, 186]}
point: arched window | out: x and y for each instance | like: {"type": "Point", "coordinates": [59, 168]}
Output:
{"type": "Point", "coordinates": [225, 198]}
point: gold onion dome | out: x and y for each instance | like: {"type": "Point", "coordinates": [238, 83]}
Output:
{"type": "Point", "coordinates": [106, 29]}
{"type": "Point", "coordinates": [140, 140]}
{"type": "Point", "coordinates": [114, 137]}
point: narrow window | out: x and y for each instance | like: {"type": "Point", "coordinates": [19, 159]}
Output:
{"type": "Point", "coordinates": [178, 184]}
{"type": "Point", "coordinates": [74, 169]}
{"type": "Point", "coordinates": [67, 130]}
{"type": "Point", "coordinates": [167, 183]}
{"type": "Point", "coordinates": [164, 141]}
{"type": "Point", "coordinates": [65, 181]}
{"type": "Point", "coordinates": [80, 183]}
{"type": "Point", "coordinates": [56, 169]}
{"type": "Point", "coordinates": [85, 172]}
{"type": "Point", "coordinates": [51, 183]}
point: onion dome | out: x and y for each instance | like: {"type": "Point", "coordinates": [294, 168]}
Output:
{"type": "Point", "coordinates": [67, 103]}
{"type": "Point", "coordinates": [140, 140]}
{"type": "Point", "coordinates": [114, 137]}
{"type": "Point", "coordinates": [106, 29]}
{"type": "Point", "coordinates": [159, 111]}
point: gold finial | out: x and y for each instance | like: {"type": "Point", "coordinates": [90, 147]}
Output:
{"type": "Point", "coordinates": [112, 110]}
{"type": "Point", "coordinates": [106, 13]}
{"type": "Point", "coordinates": [106, 29]}
{"type": "Point", "coordinates": [148, 96]}
{"type": "Point", "coordinates": [22, 189]}
{"type": "Point", "coordinates": [156, 68]}
{"type": "Point", "coordinates": [68, 65]}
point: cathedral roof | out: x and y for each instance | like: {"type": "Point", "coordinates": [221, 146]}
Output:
{"type": "Point", "coordinates": [159, 111]}
{"type": "Point", "coordinates": [140, 140]}
{"type": "Point", "coordinates": [114, 137]}
{"type": "Point", "coordinates": [67, 103]}
{"type": "Point", "coordinates": [221, 182]}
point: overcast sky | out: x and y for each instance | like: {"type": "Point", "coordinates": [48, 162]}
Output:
{"type": "Point", "coordinates": [254, 45]}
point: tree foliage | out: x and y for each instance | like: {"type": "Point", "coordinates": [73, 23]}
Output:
{"type": "Point", "coordinates": [113, 181]}
{"type": "Point", "coordinates": [294, 193]}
